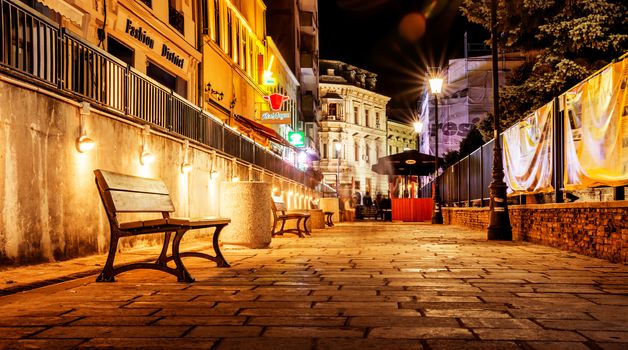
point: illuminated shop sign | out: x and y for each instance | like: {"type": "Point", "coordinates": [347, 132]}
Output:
{"type": "Point", "coordinates": [297, 138]}
{"type": "Point", "coordinates": [276, 117]}
{"type": "Point", "coordinates": [276, 101]}
{"type": "Point", "coordinates": [141, 35]}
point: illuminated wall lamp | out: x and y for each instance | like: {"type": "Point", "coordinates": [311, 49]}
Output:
{"type": "Point", "coordinates": [83, 142]}
{"type": "Point", "coordinates": [146, 157]}
{"type": "Point", "coordinates": [186, 167]}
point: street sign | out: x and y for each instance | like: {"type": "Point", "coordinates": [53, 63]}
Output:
{"type": "Point", "coordinates": [276, 117]}
{"type": "Point", "coordinates": [297, 138]}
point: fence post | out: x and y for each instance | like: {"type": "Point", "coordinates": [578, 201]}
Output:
{"type": "Point", "coordinates": [481, 176]}
{"type": "Point", "coordinates": [60, 58]}
{"type": "Point", "coordinates": [558, 110]}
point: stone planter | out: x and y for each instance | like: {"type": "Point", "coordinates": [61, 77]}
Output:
{"type": "Point", "coordinates": [248, 206]}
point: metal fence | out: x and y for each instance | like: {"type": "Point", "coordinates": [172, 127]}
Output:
{"type": "Point", "coordinates": [466, 182]}
{"type": "Point", "coordinates": [31, 44]}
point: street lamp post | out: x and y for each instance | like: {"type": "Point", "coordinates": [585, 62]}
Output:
{"type": "Point", "coordinates": [338, 146]}
{"type": "Point", "coordinates": [499, 222]}
{"type": "Point", "coordinates": [436, 86]}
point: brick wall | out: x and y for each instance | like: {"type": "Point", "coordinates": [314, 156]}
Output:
{"type": "Point", "coordinates": [598, 229]}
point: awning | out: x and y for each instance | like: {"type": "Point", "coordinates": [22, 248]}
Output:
{"type": "Point", "coordinates": [64, 9]}
{"type": "Point", "coordinates": [409, 162]}
{"type": "Point", "coordinates": [264, 131]}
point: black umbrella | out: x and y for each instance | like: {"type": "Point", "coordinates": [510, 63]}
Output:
{"type": "Point", "coordinates": [409, 162]}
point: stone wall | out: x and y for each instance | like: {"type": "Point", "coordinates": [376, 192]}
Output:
{"type": "Point", "coordinates": [49, 207]}
{"type": "Point", "coordinates": [598, 229]}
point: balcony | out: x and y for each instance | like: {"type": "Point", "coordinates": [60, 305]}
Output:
{"type": "Point", "coordinates": [176, 20]}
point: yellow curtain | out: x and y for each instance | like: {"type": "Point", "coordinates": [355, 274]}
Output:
{"type": "Point", "coordinates": [596, 130]}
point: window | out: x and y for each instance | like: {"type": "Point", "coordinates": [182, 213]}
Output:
{"type": "Point", "coordinates": [175, 17]}
{"type": "Point", "coordinates": [148, 3]}
{"type": "Point", "coordinates": [366, 118]}
{"type": "Point", "coordinates": [121, 51]}
{"type": "Point", "coordinates": [176, 84]}
{"type": "Point", "coordinates": [377, 122]}
{"type": "Point", "coordinates": [324, 151]}
{"type": "Point", "coordinates": [237, 58]}
{"type": "Point", "coordinates": [217, 22]}
{"type": "Point", "coordinates": [357, 152]}
{"type": "Point", "coordinates": [229, 34]}
{"type": "Point", "coordinates": [356, 116]}
{"type": "Point", "coordinates": [368, 153]}
{"type": "Point", "coordinates": [332, 109]}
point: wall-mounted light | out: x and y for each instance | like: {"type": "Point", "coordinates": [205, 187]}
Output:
{"type": "Point", "coordinates": [83, 142]}
{"type": "Point", "coordinates": [186, 167]}
{"type": "Point", "coordinates": [146, 157]}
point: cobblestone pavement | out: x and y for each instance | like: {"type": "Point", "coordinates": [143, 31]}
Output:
{"type": "Point", "coordinates": [355, 286]}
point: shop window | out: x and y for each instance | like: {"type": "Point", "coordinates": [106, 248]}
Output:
{"type": "Point", "coordinates": [176, 84]}
{"type": "Point", "coordinates": [175, 17]}
{"type": "Point", "coordinates": [121, 51]}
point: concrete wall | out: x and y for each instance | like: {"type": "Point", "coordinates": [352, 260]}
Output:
{"type": "Point", "coordinates": [49, 206]}
{"type": "Point", "coordinates": [598, 229]}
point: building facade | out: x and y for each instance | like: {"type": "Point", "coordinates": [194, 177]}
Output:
{"type": "Point", "coordinates": [353, 116]}
{"type": "Point", "coordinates": [293, 25]}
{"type": "Point", "coordinates": [400, 137]}
{"type": "Point", "coordinates": [467, 98]}
{"type": "Point", "coordinates": [242, 68]}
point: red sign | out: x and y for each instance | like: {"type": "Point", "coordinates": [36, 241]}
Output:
{"type": "Point", "coordinates": [276, 100]}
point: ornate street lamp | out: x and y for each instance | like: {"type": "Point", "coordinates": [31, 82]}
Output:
{"type": "Point", "coordinates": [499, 222]}
{"type": "Point", "coordinates": [338, 146]}
{"type": "Point", "coordinates": [436, 86]}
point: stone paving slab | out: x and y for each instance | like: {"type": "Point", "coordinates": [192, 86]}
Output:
{"type": "Point", "coordinates": [366, 285]}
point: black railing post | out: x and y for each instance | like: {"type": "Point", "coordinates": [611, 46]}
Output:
{"type": "Point", "coordinates": [558, 111]}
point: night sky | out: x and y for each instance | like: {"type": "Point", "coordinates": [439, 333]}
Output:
{"type": "Point", "coordinates": [393, 39]}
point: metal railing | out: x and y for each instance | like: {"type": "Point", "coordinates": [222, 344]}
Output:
{"type": "Point", "coordinates": [32, 45]}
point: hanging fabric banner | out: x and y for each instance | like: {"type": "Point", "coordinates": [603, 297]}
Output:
{"type": "Point", "coordinates": [596, 130]}
{"type": "Point", "coordinates": [527, 151]}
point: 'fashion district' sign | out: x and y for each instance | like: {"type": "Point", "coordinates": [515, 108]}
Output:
{"type": "Point", "coordinates": [144, 37]}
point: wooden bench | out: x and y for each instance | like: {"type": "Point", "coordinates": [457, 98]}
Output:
{"type": "Point", "coordinates": [281, 213]}
{"type": "Point", "coordinates": [130, 194]}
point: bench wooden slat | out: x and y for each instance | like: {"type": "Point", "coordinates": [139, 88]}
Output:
{"type": "Point", "coordinates": [137, 202]}
{"type": "Point", "coordinates": [123, 182]}
{"type": "Point", "coordinates": [188, 222]}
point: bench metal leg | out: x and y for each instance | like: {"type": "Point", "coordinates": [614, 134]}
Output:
{"type": "Point", "coordinates": [163, 256]}
{"type": "Point", "coordinates": [107, 274]}
{"type": "Point", "coordinates": [181, 272]}
{"type": "Point", "coordinates": [305, 229]}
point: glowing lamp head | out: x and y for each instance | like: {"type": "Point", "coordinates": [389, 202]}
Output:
{"type": "Point", "coordinates": [436, 85]}
{"type": "Point", "coordinates": [186, 168]}
{"type": "Point", "coordinates": [338, 145]}
{"type": "Point", "coordinates": [214, 175]}
{"type": "Point", "coordinates": [147, 158]}
{"type": "Point", "coordinates": [418, 127]}
{"type": "Point", "coordinates": [85, 144]}
{"type": "Point", "coordinates": [235, 178]}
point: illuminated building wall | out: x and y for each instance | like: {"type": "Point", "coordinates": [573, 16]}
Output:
{"type": "Point", "coordinates": [356, 115]}
{"type": "Point", "coordinates": [400, 137]}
